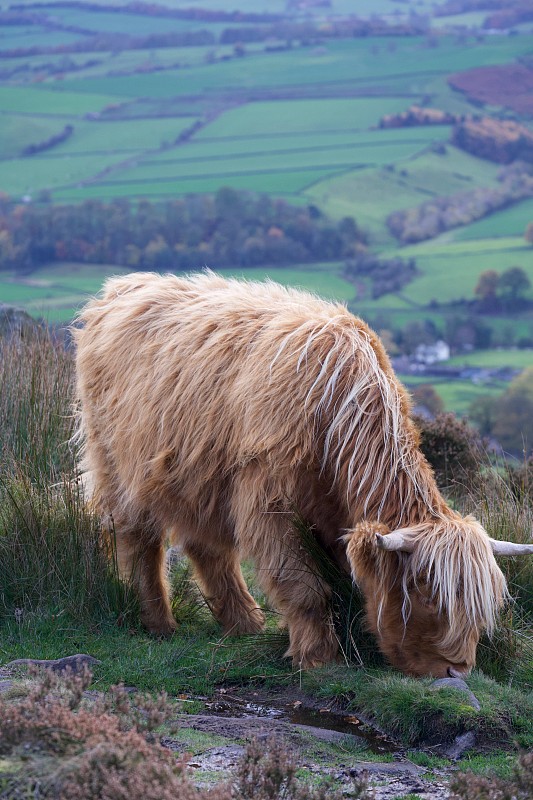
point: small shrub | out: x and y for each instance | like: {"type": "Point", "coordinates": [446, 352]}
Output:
{"type": "Point", "coordinates": [271, 775]}
{"type": "Point", "coordinates": [453, 448]}
{"type": "Point", "coordinates": [468, 786]}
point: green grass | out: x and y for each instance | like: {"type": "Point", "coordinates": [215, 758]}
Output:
{"type": "Point", "coordinates": [57, 291]}
{"type": "Point", "coordinates": [120, 136]}
{"type": "Point", "coordinates": [244, 142]}
{"type": "Point", "coordinates": [324, 280]}
{"type": "Point", "coordinates": [413, 711]}
{"type": "Point", "coordinates": [194, 661]}
{"type": "Point", "coordinates": [517, 359]}
{"type": "Point", "coordinates": [456, 394]}
{"type": "Point", "coordinates": [370, 195]}
{"type": "Point", "coordinates": [450, 270]}
{"type": "Point", "coordinates": [16, 133]}
{"type": "Point", "coordinates": [302, 116]}
{"type": "Point", "coordinates": [280, 164]}
{"type": "Point", "coordinates": [43, 100]}
{"type": "Point", "coordinates": [278, 183]}
{"type": "Point", "coordinates": [36, 36]}
{"type": "Point", "coordinates": [131, 24]}
{"type": "Point", "coordinates": [21, 176]}
{"type": "Point", "coordinates": [509, 222]}
{"type": "Point", "coordinates": [413, 64]}
{"type": "Point", "coordinates": [323, 162]}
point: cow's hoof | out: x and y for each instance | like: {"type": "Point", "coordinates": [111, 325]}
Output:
{"type": "Point", "coordinates": [161, 629]}
{"type": "Point", "coordinates": [253, 622]}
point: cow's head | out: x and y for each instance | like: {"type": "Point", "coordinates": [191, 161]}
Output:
{"type": "Point", "coordinates": [430, 590]}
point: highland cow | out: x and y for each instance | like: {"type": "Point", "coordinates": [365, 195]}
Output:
{"type": "Point", "coordinates": [211, 409]}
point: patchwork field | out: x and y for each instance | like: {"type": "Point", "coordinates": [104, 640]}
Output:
{"type": "Point", "coordinates": [291, 117]}
{"type": "Point", "coordinates": [286, 144]}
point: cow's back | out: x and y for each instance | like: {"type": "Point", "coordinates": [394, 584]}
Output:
{"type": "Point", "coordinates": [182, 381]}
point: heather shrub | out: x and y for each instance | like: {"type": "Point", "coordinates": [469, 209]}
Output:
{"type": "Point", "coordinates": [63, 746]}
{"type": "Point", "coordinates": [468, 786]}
{"type": "Point", "coordinates": [71, 748]}
{"type": "Point", "coordinates": [453, 448]}
{"type": "Point", "coordinates": [270, 774]}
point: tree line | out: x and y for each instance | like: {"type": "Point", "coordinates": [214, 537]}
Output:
{"type": "Point", "coordinates": [441, 214]}
{"type": "Point", "coordinates": [496, 292]}
{"type": "Point", "coordinates": [229, 228]}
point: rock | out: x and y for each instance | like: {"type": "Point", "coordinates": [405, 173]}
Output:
{"type": "Point", "coordinates": [218, 758]}
{"type": "Point", "coordinates": [74, 663]}
{"type": "Point", "coordinates": [463, 742]}
{"type": "Point", "coordinates": [457, 683]}
{"type": "Point", "coordinates": [5, 686]}
{"type": "Point", "coordinates": [386, 768]}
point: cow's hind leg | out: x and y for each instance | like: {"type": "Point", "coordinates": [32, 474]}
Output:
{"type": "Point", "coordinates": [141, 558]}
{"type": "Point", "coordinates": [220, 578]}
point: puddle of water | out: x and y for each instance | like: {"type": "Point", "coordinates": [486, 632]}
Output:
{"type": "Point", "coordinates": [298, 714]}
{"type": "Point", "coordinates": [342, 723]}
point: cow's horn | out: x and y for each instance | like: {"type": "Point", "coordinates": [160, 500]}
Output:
{"type": "Point", "coordinates": [395, 541]}
{"type": "Point", "coordinates": [510, 548]}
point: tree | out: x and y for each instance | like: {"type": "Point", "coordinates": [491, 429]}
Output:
{"type": "Point", "coordinates": [426, 396]}
{"type": "Point", "coordinates": [486, 289]}
{"type": "Point", "coordinates": [513, 422]}
{"type": "Point", "coordinates": [513, 283]}
{"type": "Point", "coordinates": [482, 412]}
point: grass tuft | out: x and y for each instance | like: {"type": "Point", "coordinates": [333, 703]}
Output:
{"type": "Point", "coordinates": [52, 554]}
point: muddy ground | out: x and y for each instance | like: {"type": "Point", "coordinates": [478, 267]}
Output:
{"type": "Point", "coordinates": [323, 740]}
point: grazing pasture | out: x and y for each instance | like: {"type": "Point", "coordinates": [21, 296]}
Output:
{"type": "Point", "coordinates": [516, 359]}
{"type": "Point", "coordinates": [57, 291]}
{"type": "Point", "coordinates": [447, 271]}
{"type": "Point", "coordinates": [371, 194]}
{"type": "Point", "coordinates": [457, 395]}
{"type": "Point", "coordinates": [49, 102]}
{"type": "Point", "coordinates": [508, 222]}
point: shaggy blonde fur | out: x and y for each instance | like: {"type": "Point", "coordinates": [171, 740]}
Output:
{"type": "Point", "coordinates": [212, 408]}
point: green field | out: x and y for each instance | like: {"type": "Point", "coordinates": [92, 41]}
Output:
{"type": "Point", "coordinates": [121, 136]}
{"type": "Point", "coordinates": [21, 176]}
{"type": "Point", "coordinates": [17, 132]}
{"type": "Point", "coordinates": [509, 222]}
{"type": "Point", "coordinates": [451, 270]}
{"type": "Point", "coordinates": [457, 395]}
{"type": "Point", "coordinates": [57, 291]}
{"type": "Point", "coordinates": [47, 101]}
{"type": "Point", "coordinates": [372, 194]}
{"type": "Point", "coordinates": [516, 359]}
{"type": "Point", "coordinates": [351, 62]}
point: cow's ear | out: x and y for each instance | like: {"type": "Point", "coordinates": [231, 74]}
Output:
{"type": "Point", "coordinates": [362, 548]}
{"type": "Point", "coordinates": [369, 541]}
